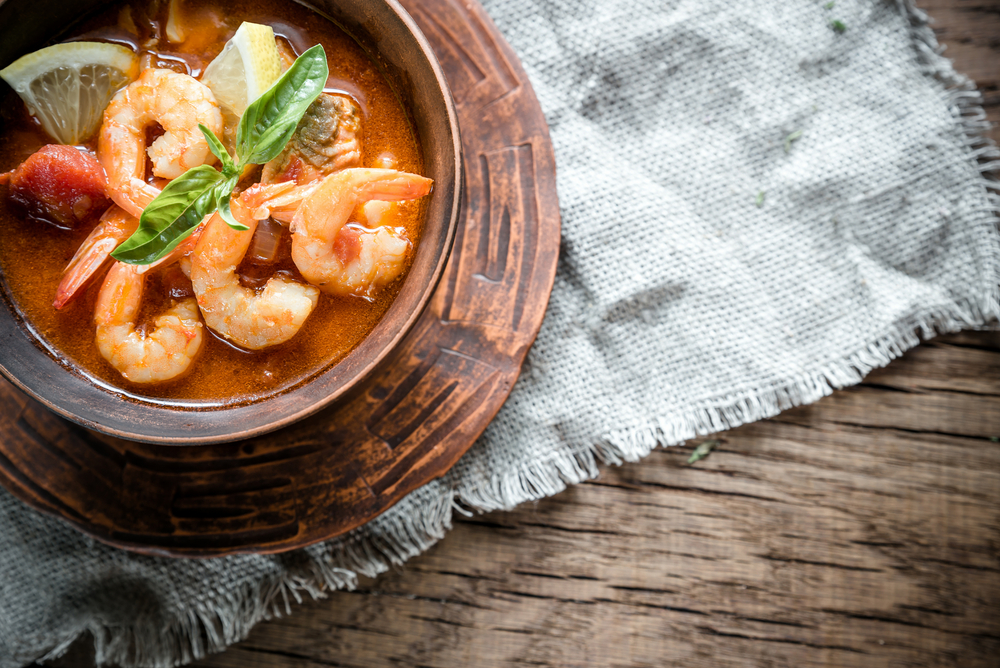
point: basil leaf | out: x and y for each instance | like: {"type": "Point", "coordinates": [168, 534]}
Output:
{"type": "Point", "coordinates": [220, 152]}
{"type": "Point", "coordinates": [171, 217]}
{"type": "Point", "coordinates": [224, 192]}
{"type": "Point", "coordinates": [227, 213]}
{"type": "Point", "coordinates": [702, 450]}
{"type": "Point", "coordinates": [269, 121]}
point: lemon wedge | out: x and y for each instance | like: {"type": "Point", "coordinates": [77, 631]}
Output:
{"type": "Point", "coordinates": [67, 86]}
{"type": "Point", "coordinates": [248, 65]}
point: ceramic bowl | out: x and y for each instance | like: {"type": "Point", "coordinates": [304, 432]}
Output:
{"type": "Point", "coordinates": [392, 39]}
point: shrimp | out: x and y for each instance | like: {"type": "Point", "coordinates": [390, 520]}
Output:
{"type": "Point", "coordinates": [349, 259]}
{"type": "Point", "coordinates": [115, 226]}
{"type": "Point", "coordinates": [250, 319]}
{"type": "Point", "coordinates": [178, 103]}
{"type": "Point", "coordinates": [162, 355]}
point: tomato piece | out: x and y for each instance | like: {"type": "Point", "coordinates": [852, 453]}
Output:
{"type": "Point", "coordinates": [62, 185]}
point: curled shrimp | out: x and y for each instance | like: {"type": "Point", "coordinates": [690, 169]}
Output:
{"type": "Point", "coordinates": [346, 259]}
{"type": "Point", "coordinates": [178, 103]}
{"type": "Point", "coordinates": [115, 226]}
{"type": "Point", "coordinates": [251, 319]}
{"type": "Point", "coordinates": [156, 357]}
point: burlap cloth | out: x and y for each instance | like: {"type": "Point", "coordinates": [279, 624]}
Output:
{"type": "Point", "coordinates": [759, 204]}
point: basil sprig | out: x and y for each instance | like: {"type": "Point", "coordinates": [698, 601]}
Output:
{"type": "Point", "coordinates": [265, 128]}
{"type": "Point", "coordinates": [171, 217]}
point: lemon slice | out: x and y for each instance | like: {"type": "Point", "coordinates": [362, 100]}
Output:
{"type": "Point", "coordinates": [67, 86]}
{"type": "Point", "coordinates": [248, 65]}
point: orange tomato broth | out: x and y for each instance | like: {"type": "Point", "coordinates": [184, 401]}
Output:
{"type": "Point", "coordinates": [33, 254]}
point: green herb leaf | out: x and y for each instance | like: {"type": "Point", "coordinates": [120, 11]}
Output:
{"type": "Point", "coordinates": [702, 450]}
{"type": "Point", "coordinates": [759, 201]}
{"type": "Point", "coordinates": [269, 121]}
{"type": "Point", "coordinates": [828, 5]}
{"type": "Point", "coordinates": [838, 27]}
{"type": "Point", "coordinates": [790, 138]}
{"type": "Point", "coordinates": [171, 217]}
{"type": "Point", "coordinates": [215, 145]}
{"type": "Point", "coordinates": [994, 439]}
{"type": "Point", "coordinates": [266, 126]}
{"type": "Point", "coordinates": [224, 192]}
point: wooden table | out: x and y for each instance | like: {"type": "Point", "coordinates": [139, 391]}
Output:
{"type": "Point", "coordinates": [863, 530]}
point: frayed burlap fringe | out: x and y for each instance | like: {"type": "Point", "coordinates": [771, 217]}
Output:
{"type": "Point", "coordinates": [214, 624]}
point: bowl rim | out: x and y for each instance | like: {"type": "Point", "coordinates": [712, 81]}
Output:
{"type": "Point", "coordinates": [450, 219]}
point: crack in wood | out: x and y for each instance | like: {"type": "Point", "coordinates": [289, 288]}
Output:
{"type": "Point", "coordinates": [526, 632]}
{"type": "Point", "coordinates": [906, 622]}
{"type": "Point", "coordinates": [655, 606]}
{"type": "Point", "coordinates": [524, 594]}
{"type": "Point", "coordinates": [286, 654]}
{"type": "Point", "coordinates": [828, 564]}
{"type": "Point", "coordinates": [791, 641]}
{"type": "Point", "coordinates": [555, 527]}
{"type": "Point", "coordinates": [926, 391]}
{"type": "Point", "coordinates": [481, 521]}
{"type": "Point", "coordinates": [905, 430]}
{"type": "Point", "coordinates": [552, 576]}
{"type": "Point", "coordinates": [644, 590]}
{"type": "Point", "coordinates": [932, 611]}
{"type": "Point", "coordinates": [440, 620]}
{"type": "Point", "coordinates": [714, 492]}
{"type": "Point", "coordinates": [892, 388]}
{"type": "Point", "coordinates": [467, 576]}
{"type": "Point", "coordinates": [984, 347]}
{"type": "Point", "coordinates": [766, 621]}
{"type": "Point", "coordinates": [426, 599]}
{"type": "Point", "coordinates": [956, 564]}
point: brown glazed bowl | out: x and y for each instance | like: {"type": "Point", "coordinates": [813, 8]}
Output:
{"type": "Point", "coordinates": [394, 42]}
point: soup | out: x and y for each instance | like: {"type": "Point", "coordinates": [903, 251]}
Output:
{"type": "Point", "coordinates": [33, 253]}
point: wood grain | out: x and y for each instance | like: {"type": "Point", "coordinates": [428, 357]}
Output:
{"type": "Point", "coordinates": [854, 532]}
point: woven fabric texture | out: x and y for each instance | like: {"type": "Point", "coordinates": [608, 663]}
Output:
{"type": "Point", "coordinates": [759, 205]}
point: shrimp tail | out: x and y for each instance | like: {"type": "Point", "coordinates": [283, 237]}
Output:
{"type": "Point", "coordinates": [402, 187]}
{"type": "Point", "coordinates": [81, 269]}
{"type": "Point", "coordinates": [115, 226]}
